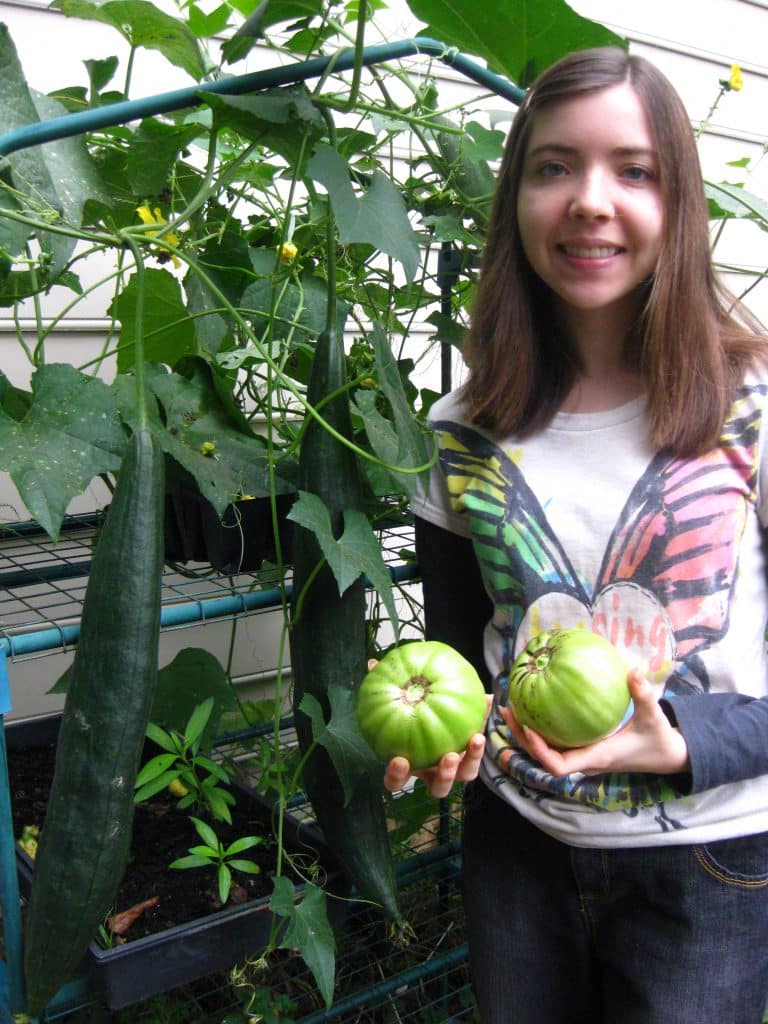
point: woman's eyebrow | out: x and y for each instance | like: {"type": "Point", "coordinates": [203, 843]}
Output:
{"type": "Point", "coordinates": [558, 149]}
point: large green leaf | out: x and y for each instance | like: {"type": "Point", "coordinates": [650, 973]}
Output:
{"type": "Point", "coordinates": [726, 200]}
{"type": "Point", "coordinates": [17, 108]}
{"type": "Point", "coordinates": [143, 25]}
{"type": "Point", "coordinates": [518, 38]}
{"type": "Point", "coordinates": [356, 552]}
{"type": "Point", "coordinates": [341, 737]}
{"type": "Point", "coordinates": [299, 307]}
{"type": "Point", "coordinates": [71, 433]}
{"type": "Point", "coordinates": [407, 445]}
{"type": "Point", "coordinates": [379, 217]}
{"type": "Point", "coordinates": [193, 676]}
{"type": "Point", "coordinates": [153, 152]}
{"type": "Point", "coordinates": [281, 119]}
{"type": "Point", "coordinates": [54, 180]}
{"type": "Point", "coordinates": [267, 13]}
{"type": "Point", "coordinates": [169, 332]}
{"type": "Point", "coordinates": [194, 418]}
{"type": "Point", "coordinates": [308, 930]}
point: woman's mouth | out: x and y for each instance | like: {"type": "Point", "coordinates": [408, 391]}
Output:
{"type": "Point", "coordinates": [590, 252]}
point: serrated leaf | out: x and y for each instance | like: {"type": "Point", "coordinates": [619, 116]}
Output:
{"type": "Point", "coordinates": [195, 415]}
{"type": "Point", "coordinates": [310, 511]}
{"type": "Point", "coordinates": [379, 217]}
{"type": "Point", "coordinates": [308, 930]}
{"type": "Point", "coordinates": [518, 38]}
{"type": "Point", "coordinates": [55, 179]}
{"type": "Point", "coordinates": [152, 152]}
{"type": "Point", "coordinates": [366, 549]}
{"type": "Point", "coordinates": [281, 120]}
{"type": "Point", "coordinates": [168, 330]}
{"type": "Point", "coordinates": [71, 433]}
{"type": "Point", "coordinates": [206, 25]}
{"type": "Point", "coordinates": [143, 25]}
{"type": "Point", "coordinates": [266, 14]}
{"type": "Point", "coordinates": [341, 737]}
{"type": "Point", "coordinates": [356, 552]}
{"type": "Point", "coordinates": [412, 449]}
{"type": "Point", "coordinates": [448, 330]}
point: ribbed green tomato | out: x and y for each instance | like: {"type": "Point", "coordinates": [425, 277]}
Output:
{"type": "Point", "coordinates": [570, 685]}
{"type": "Point", "coordinates": [422, 700]}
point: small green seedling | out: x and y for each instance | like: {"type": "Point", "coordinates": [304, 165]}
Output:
{"type": "Point", "coordinates": [224, 858]}
{"type": "Point", "coordinates": [179, 768]}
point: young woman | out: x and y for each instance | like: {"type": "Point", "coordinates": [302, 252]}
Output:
{"type": "Point", "coordinates": [605, 466]}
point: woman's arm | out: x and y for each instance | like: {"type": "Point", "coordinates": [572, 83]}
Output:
{"type": "Point", "coordinates": [726, 735]}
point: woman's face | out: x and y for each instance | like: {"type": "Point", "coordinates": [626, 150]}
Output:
{"type": "Point", "coordinates": [589, 205]}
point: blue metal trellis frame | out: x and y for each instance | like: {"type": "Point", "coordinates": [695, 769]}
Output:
{"type": "Point", "coordinates": [238, 85]}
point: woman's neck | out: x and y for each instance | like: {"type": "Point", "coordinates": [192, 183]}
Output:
{"type": "Point", "coordinates": [605, 379]}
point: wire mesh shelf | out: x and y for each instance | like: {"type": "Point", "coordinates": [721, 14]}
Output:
{"type": "Point", "coordinates": [43, 582]}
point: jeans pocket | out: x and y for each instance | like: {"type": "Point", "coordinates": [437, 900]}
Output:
{"type": "Point", "coordinates": [742, 861]}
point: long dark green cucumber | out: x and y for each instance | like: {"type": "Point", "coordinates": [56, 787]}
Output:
{"type": "Point", "coordinates": [87, 829]}
{"type": "Point", "coordinates": [328, 642]}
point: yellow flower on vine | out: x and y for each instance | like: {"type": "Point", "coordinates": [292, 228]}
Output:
{"type": "Point", "coordinates": [735, 81]}
{"type": "Point", "coordinates": [208, 448]}
{"type": "Point", "coordinates": [288, 252]}
{"type": "Point", "coordinates": [155, 217]}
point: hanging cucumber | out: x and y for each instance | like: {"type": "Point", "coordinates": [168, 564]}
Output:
{"type": "Point", "coordinates": [87, 829]}
{"type": "Point", "coordinates": [328, 635]}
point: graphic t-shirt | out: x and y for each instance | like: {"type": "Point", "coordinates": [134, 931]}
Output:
{"type": "Point", "coordinates": [585, 524]}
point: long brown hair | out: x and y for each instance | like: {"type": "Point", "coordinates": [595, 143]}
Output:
{"type": "Point", "coordinates": [692, 342]}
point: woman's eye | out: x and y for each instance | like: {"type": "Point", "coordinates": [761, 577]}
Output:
{"type": "Point", "coordinates": [637, 173]}
{"type": "Point", "coordinates": [552, 169]}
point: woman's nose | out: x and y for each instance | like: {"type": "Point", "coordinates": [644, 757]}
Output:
{"type": "Point", "coordinates": [592, 197]}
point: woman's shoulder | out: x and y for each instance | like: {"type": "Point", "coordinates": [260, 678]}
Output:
{"type": "Point", "coordinates": [449, 408]}
{"type": "Point", "coordinates": [756, 376]}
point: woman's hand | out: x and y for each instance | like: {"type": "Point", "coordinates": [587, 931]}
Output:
{"type": "Point", "coordinates": [647, 743]}
{"type": "Point", "coordinates": [451, 768]}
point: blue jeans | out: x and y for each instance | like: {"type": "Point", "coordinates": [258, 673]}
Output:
{"type": "Point", "coordinates": [655, 935]}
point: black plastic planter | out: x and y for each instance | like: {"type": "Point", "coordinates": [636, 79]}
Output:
{"type": "Point", "coordinates": [239, 542]}
{"type": "Point", "coordinates": [131, 972]}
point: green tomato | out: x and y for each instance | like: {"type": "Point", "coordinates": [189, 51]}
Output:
{"type": "Point", "coordinates": [421, 701]}
{"type": "Point", "coordinates": [570, 685]}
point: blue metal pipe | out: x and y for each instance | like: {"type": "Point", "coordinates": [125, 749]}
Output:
{"type": "Point", "coordinates": [183, 613]}
{"type": "Point", "coordinates": [9, 890]}
{"type": "Point", "coordinates": [238, 85]}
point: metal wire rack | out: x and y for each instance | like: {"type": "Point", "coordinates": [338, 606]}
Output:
{"type": "Point", "coordinates": [42, 585]}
